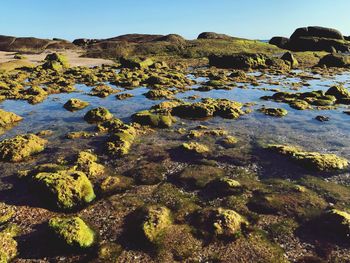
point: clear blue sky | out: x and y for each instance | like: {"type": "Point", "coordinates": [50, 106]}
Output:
{"type": "Point", "coordinates": [256, 19]}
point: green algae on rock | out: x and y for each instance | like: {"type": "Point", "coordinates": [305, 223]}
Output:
{"type": "Point", "coordinates": [194, 148]}
{"type": "Point", "coordinates": [153, 118]}
{"type": "Point", "coordinates": [87, 163]}
{"type": "Point", "coordinates": [75, 104]}
{"type": "Point", "coordinates": [55, 62]}
{"type": "Point", "coordinates": [102, 91]}
{"type": "Point", "coordinates": [340, 93]}
{"type": "Point", "coordinates": [120, 141]}
{"type": "Point", "coordinates": [275, 112]}
{"type": "Point", "coordinates": [99, 114]}
{"type": "Point", "coordinates": [73, 231]}
{"type": "Point", "coordinates": [124, 96]}
{"type": "Point", "coordinates": [229, 141]}
{"type": "Point", "coordinates": [8, 246]}
{"type": "Point", "coordinates": [311, 160]}
{"type": "Point", "coordinates": [18, 148]}
{"type": "Point", "coordinates": [68, 189]}
{"type": "Point", "coordinates": [7, 118]}
{"type": "Point", "coordinates": [157, 219]}
{"type": "Point", "coordinates": [6, 213]}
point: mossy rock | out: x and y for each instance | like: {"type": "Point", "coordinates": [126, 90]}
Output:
{"type": "Point", "coordinates": [8, 247]}
{"type": "Point", "coordinates": [112, 125]}
{"type": "Point", "coordinates": [73, 231]}
{"type": "Point", "coordinates": [6, 213]}
{"type": "Point", "coordinates": [224, 186]}
{"type": "Point", "coordinates": [156, 220]}
{"type": "Point", "coordinates": [229, 141]}
{"type": "Point", "coordinates": [338, 222]}
{"type": "Point", "coordinates": [109, 252]}
{"type": "Point", "coordinates": [275, 112]}
{"type": "Point", "coordinates": [153, 119]}
{"type": "Point", "coordinates": [56, 62]}
{"type": "Point", "coordinates": [102, 91]}
{"type": "Point", "coordinates": [68, 189]}
{"type": "Point", "coordinates": [149, 173]}
{"type": "Point", "coordinates": [194, 111]}
{"type": "Point", "coordinates": [121, 140]}
{"type": "Point", "coordinates": [87, 163]}
{"type": "Point", "coordinates": [18, 148]}
{"type": "Point", "coordinates": [311, 160]}
{"type": "Point", "coordinates": [156, 94]}
{"type": "Point", "coordinates": [8, 118]}
{"type": "Point", "coordinates": [220, 223]}
{"type": "Point", "coordinates": [124, 96]}
{"type": "Point", "coordinates": [300, 105]}
{"type": "Point", "coordinates": [136, 62]}
{"type": "Point", "coordinates": [339, 92]}
{"type": "Point", "coordinates": [194, 148]}
{"type": "Point", "coordinates": [75, 104]}
{"type": "Point", "coordinates": [99, 114]}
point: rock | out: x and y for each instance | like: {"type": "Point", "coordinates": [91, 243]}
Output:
{"type": "Point", "coordinates": [124, 96]}
{"type": "Point", "coordinates": [224, 186]}
{"type": "Point", "coordinates": [337, 222]}
{"type": "Point", "coordinates": [322, 118]}
{"type": "Point", "coordinates": [238, 61]}
{"type": "Point", "coordinates": [8, 246]}
{"type": "Point", "coordinates": [159, 94]}
{"type": "Point", "coordinates": [6, 213]}
{"type": "Point", "coordinates": [229, 141]}
{"type": "Point", "coordinates": [198, 176]}
{"type": "Point", "coordinates": [280, 42]}
{"type": "Point", "coordinates": [172, 38]}
{"type": "Point", "coordinates": [195, 148]}
{"type": "Point", "coordinates": [55, 62]}
{"type": "Point", "coordinates": [7, 118]}
{"type": "Point", "coordinates": [213, 35]}
{"type": "Point", "coordinates": [275, 112]}
{"type": "Point", "coordinates": [68, 189]}
{"type": "Point", "coordinates": [73, 231]}
{"type": "Point", "coordinates": [134, 63]}
{"type": "Point", "coordinates": [87, 163]}
{"type": "Point", "coordinates": [102, 91]}
{"type": "Point", "coordinates": [339, 92]}
{"type": "Point", "coordinates": [75, 104]}
{"type": "Point", "coordinates": [316, 31]}
{"type": "Point", "coordinates": [311, 160]}
{"type": "Point", "coordinates": [335, 60]}
{"type": "Point", "coordinates": [153, 119]}
{"type": "Point", "coordinates": [18, 148]}
{"type": "Point", "coordinates": [222, 223]}
{"type": "Point", "coordinates": [300, 105]}
{"type": "Point", "coordinates": [121, 140]}
{"type": "Point", "coordinates": [155, 222]}
{"type": "Point", "coordinates": [290, 59]}
{"type": "Point", "coordinates": [99, 114]}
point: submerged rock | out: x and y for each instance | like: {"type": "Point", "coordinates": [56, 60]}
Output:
{"type": "Point", "coordinates": [75, 104]}
{"type": "Point", "coordinates": [311, 160]}
{"type": "Point", "coordinates": [153, 119]}
{"type": "Point", "coordinates": [275, 112]}
{"type": "Point", "coordinates": [18, 148]}
{"type": "Point", "coordinates": [68, 189]}
{"type": "Point", "coordinates": [73, 231]}
{"type": "Point", "coordinates": [99, 114]}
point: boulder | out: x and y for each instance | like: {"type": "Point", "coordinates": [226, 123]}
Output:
{"type": "Point", "coordinates": [339, 92]}
{"type": "Point", "coordinates": [99, 114]}
{"type": "Point", "coordinates": [280, 42]}
{"type": "Point", "coordinates": [68, 189]}
{"type": "Point", "coordinates": [56, 62]}
{"type": "Point", "coordinates": [290, 59]}
{"type": "Point", "coordinates": [316, 31]}
{"type": "Point", "coordinates": [75, 104]}
{"type": "Point", "coordinates": [153, 119]}
{"type": "Point", "coordinates": [133, 63]}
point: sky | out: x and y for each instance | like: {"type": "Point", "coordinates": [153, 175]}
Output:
{"type": "Point", "coordinates": [253, 19]}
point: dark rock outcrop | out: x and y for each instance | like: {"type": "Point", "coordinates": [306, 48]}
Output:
{"type": "Point", "coordinates": [314, 38]}
{"type": "Point", "coordinates": [335, 60]}
{"type": "Point", "coordinates": [213, 35]}
{"type": "Point", "coordinates": [279, 41]}
{"type": "Point", "coordinates": [32, 44]}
